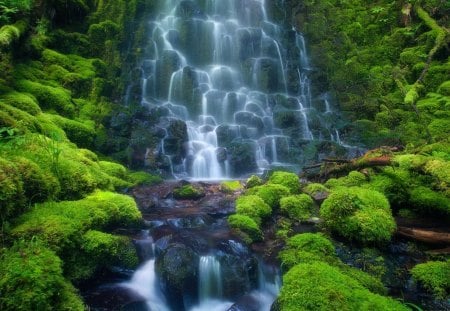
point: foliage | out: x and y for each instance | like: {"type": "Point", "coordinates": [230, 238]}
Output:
{"type": "Point", "coordinates": [188, 192]}
{"type": "Point", "coordinates": [270, 193]}
{"type": "Point", "coordinates": [253, 207]}
{"type": "Point", "coordinates": [434, 276]}
{"type": "Point", "coordinates": [246, 228]}
{"type": "Point", "coordinates": [319, 286]}
{"type": "Point", "coordinates": [287, 179]}
{"type": "Point", "coordinates": [31, 279]}
{"type": "Point", "coordinates": [358, 214]}
{"type": "Point", "coordinates": [297, 207]}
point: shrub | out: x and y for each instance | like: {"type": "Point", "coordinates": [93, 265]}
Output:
{"type": "Point", "coordinates": [31, 279]}
{"type": "Point", "coordinates": [287, 179]}
{"type": "Point", "coordinates": [358, 214]}
{"type": "Point", "coordinates": [188, 192]}
{"type": "Point", "coordinates": [253, 181]}
{"type": "Point", "coordinates": [434, 276]}
{"type": "Point", "coordinates": [270, 193]}
{"type": "Point", "coordinates": [246, 227]}
{"type": "Point", "coordinates": [297, 207]}
{"type": "Point", "coordinates": [319, 286]}
{"type": "Point", "coordinates": [254, 207]}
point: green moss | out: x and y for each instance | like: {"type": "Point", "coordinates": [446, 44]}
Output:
{"type": "Point", "coordinates": [444, 88]}
{"type": "Point", "coordinates": [107, 250]}
{"type": "Point", "coordinates": [434, 276]}
{"type": "Point", "coordinates": [49, 97]}
{"type": "Point", "coordinates": [61, 224]}
{"type": "Point", "coordinates": [254, 207]}
{"type": "Point", "coordinates": [246, 228]}
{"type": "Point", "coordinates": [22, 101]}
{"type": "Point", "coordinates": [270, 193]}
{"type": "Point", "coordinates": [32, 280]}
{"type": "Point", "coordinates": [79, 133]}
{"type": "Point", "coordinates": [297, 207]}
{"type": "Point", "coordinates": [188, 192]}
{"type": "Point", "coordinates": [353, 179]}
{"type": "Point", "coordinates": [426, 201]}
{"type": "Point", "coordinates": [231, 186]}
{"type": "Point", "coordinates": [358, 214]}
{"type": "Point", "coordinates": [12, 197]}
{"type": "Point", "coordinates": [394, 183]}
{"type": "Point", "coordinates": [253, 181]}
{"type": "Point", "coordinates": [287, 179]}
{"type": "Point", "coordinates": [319, 286]}
{"type": "Point", "coordinates": [306, 248]}
{"type": "Point", "coordinates": [143, 178]}
{"type": "Point", "coordinates": [314, 189]}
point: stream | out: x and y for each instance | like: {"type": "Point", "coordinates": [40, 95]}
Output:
{"type": "Point", "coordinates": [189, 259]}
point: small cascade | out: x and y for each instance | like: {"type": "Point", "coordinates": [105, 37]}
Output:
{"type": "Point", "coordinates": [224, 81]}
{"type": "Point", "coordinates": [144, 280]}
{"type": "Point", "coordinates": [210, 279]}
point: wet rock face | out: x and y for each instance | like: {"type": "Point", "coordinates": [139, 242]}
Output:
{"type": "Point", "coordinates": [177, 269]}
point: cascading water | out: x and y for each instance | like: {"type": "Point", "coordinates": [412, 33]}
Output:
{"type": "Point", "coordinates": [210, 278]}
{"type": "Point", "coordinates": [231, 89]}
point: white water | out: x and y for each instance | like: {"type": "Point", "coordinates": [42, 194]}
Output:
{"type": "Point", "coordinates": [210, 279]}
{"type": "Point", "coordinates": [145, 283]}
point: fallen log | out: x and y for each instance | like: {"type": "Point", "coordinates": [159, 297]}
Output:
{"type": "Point", "coordinates": [425, 236]}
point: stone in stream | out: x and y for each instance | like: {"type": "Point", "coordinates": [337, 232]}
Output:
{"type": "Point", "coordinates": [177, 269]}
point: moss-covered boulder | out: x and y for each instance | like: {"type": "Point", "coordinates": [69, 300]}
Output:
{"type": "Point", "coordinates": [246, 228]}
{"type": "Point", "coordinates": [253, 181]}
{"type": "Point", "coordinates": [32, 279]}
{"type": "Point", "coordinates": [188, 192]}
{"type": "Point", "coordinates": [358, 214]}
{"type": "Point", "coordinates": [319, 286]}
{"type": "Point", "coordinates": [270, 193]}
{"type": "Point", "coordinates": [297, 207]}
{"type": "Point", "coordinates": [434, 276]}
{"type": "Point", "coordinates": [287, 179]}
{"type": "Point", "coordinates": [254, 207]}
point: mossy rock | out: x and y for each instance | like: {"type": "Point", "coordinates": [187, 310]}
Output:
{"type": "Point", "coordinates": [253, 181]}
{"type": "Point", "coordinates": [188, 192]}
{"type": "Point", "coordinates": [434, 276]}
{"type": "Point", "coordinates": [254, 207]}
{"type": "Point", "coordinates": [49, 97]}
{"type": "Point", "coordinates": [358, 214]}
{"type": "Point", "coordinates": [270, 193]}
{"type": "Point", "coordinates": [306, 248]}
{"type": "Point", "coordinates": [22, 101]}
{"type": "Point", "coordinates": [297, 207]}
{"type": "Point", "coordinates": [231, 186]}
{"type": "Point", "coordinates": [246, 228]}
{"type": "Point", "coordinates": [287, 179]}
{"type": "Point", "coordinates": [32, 279]}
{"type": "Point", "coordinates": [315, 286]}
{"type": "Point", "coordinates": [144, 178]}
{"type": "Point", "coordinates": [426, 201]}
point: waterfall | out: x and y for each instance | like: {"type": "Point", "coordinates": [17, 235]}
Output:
{"type": "Point", "coordinates": [210, 278]}
{"type": "Point", "coordinates": [230, 74]}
